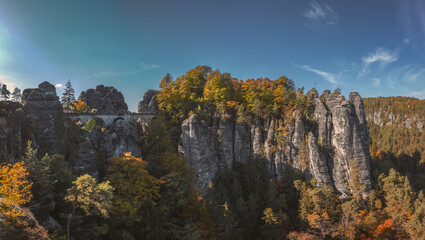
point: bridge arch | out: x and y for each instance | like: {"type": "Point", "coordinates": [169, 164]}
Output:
{"type": "Point", "coordinates": [118, 118]}
{"type": "Point", "coordinates": [99, 121]}
{"type": "Point", "coordinates": [77, 120]}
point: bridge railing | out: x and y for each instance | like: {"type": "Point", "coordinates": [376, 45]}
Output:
{"type": "Point", "coordinates": [108, 114]}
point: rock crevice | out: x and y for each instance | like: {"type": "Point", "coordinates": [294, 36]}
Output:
{"type": "Point", "coordinates": [325, 151]}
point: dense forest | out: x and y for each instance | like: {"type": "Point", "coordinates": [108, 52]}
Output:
{"type": "Point", "coordinates": [155, 195]}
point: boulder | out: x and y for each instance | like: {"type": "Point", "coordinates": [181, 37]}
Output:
{"type": "Point", "coordinates": [106, 100]}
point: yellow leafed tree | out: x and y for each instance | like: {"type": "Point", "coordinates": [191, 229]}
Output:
{"type": "Point", "coordinates": [14, 183]}
{"type": "Point", "coordinates": [133, 185]}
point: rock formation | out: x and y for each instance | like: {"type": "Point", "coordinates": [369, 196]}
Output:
{"type": "Point", "coordinates": [105, 141]}
{"type": "Point", "coordinates": [324, 150]}
{"type": "Point", "coordinates": [106, 100]}
{"type": "Point", "coordinates": [43, 104]}
{"type": "Point", "coordinates": [13, 123]}
{"type": "Point", "coordinates": [149, 103]}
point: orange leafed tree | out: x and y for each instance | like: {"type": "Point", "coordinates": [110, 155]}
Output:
{"type": "Point", "coordinates": [80, 107]}
{"type": "Point", "coordinates": [14, 183]}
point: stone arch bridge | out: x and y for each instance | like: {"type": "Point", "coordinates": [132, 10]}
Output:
{"type": "Point", "coordinates": [110, 119]}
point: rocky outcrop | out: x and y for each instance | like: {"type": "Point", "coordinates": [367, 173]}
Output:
{"type": "Point", "coordinates": [86, 161]}
{"type": "Point", "coordinates": [324, 147]}
{"type": "Point", "coordinates": [105, 141]}
{"type": "Point", "coordinates": [106, 100]}
{"type": "Point", "coordinates": [43, 104]}
{"type": "Point", "coordinates": [20, 225]}
{"type": "Point", "coordinates": [149, 103]}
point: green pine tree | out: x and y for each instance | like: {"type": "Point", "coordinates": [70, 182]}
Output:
{"type": "Point", "coordinates": [68, 97]}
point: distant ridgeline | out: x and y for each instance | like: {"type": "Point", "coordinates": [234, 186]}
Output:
{"type": "Point", "coordinates": [396, 126]}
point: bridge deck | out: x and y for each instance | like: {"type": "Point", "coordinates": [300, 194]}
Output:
{"type": "Point", "coordinates": [108, 114]}
{"type": "Point", "coordinates": [110, 118]}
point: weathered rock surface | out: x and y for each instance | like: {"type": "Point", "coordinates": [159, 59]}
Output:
{"type": "Point", "coordinates": [106, 100]}
{"type": "Point", "coordinates": [105, 141]}
{"type": "Point", "coordinates": [43, 104]}
{"type": "Point", "coordinates": [149, 103]}
{"type": "Point", "coordinates": [339, 136]}
{"type": "Point", "coordinates": [12, 125]}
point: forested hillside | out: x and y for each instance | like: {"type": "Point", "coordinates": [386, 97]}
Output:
{"type": "Point", "coordinates": [396, 127]}
{"type": "Point", "coordinates": [224, 158]}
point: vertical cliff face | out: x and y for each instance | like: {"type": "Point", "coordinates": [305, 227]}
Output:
{"type": "Point", "coordinates": [43, 104]}
{"type": "Point", "coordinates": [324, 150]}
{"type": "Point", "coordinates": [105, 141]}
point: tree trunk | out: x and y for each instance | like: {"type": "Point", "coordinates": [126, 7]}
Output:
{"type": "Point", "coordinates": [68, 225]}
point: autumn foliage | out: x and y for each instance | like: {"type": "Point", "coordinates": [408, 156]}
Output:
{"type": "Point", "coordinates": [133, 185]}
{"type": "Point", "coordinates": [202, 88]}
{"type": "Point", "coordinates": [79, 107]}
{"type": "Point", "coordinates": [14, 184]}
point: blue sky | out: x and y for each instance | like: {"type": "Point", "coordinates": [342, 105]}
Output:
{"type": "Point", "coordinates": [374, 47]}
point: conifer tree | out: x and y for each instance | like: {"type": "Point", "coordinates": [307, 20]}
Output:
{"type": "Point", "coordinates": [68, 97]}
{"type": "Point", "coordinates": [5, 93]}
{"type": "Point", "coordinates": [228, 223]}
{"type": "Point", "coordinates": [16, 95]}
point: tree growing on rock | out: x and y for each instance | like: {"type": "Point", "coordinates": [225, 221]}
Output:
{"type": "Point", "coordinates": [68, 97]}
{"type": "Point", "coordinates": [79, 107]}
{"type": "Point", "coordinates": [16, 95]}
{"type": "Point", "coordinates": [4, 93]}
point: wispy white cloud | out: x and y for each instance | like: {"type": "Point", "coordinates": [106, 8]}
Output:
{"type": "Point", "coordinates": [408, 74]}
{"type": "Point", "coordinates": [144, 66]}
{"type": "Point", "coordinates": [406, 40]}
{"type": "Point", "coordinates": [329, 77]}
{"type": "Point", "coordinates": [396, 75]}
{"type": "Point", "coordinates": [148, 66]}
{"type": "Point", "coordinates": [418, 94]}
{"type": "Point", "coordinates": [320, 15]}
{"type": "Point", "coordinates": [381, 56]}
{"type": "Point", "coordinates": [413, 75]}
{"type": "Point", "coordinates": [59, 85]}
{"type": "Point", "coordinates": [376, 82]}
